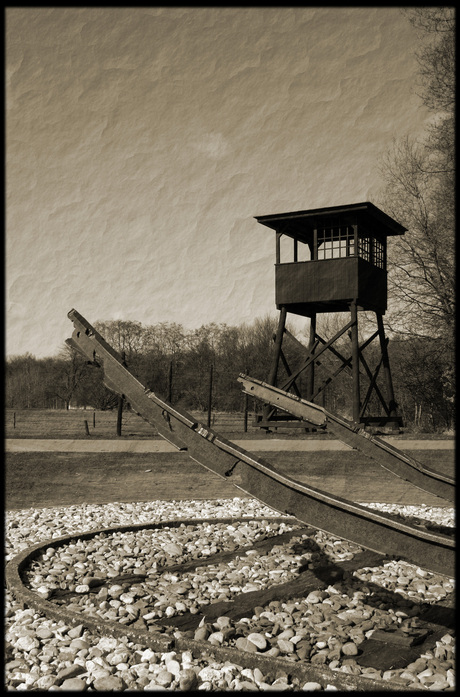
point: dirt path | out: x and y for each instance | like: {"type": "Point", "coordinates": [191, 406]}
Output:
{"type": "Point", "coordinates": [16, 445]}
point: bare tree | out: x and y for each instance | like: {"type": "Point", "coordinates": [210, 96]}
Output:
{"type": "Point", "coordinates": [419, 178]}
{"type": "Point", "coordinates": [436, 55]}
{"type": "Point", "coordinates": [124, 335]}
{"type": "Point", "coordinates": [421, 262]}
{"type": "Point", "coordinates": [419, 192]}
{"type": "Point", "coordinates": [25, 376]}
{"type": "Point", "coordinates": [68, 371]}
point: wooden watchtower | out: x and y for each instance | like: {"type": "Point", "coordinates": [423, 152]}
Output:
{"type": "Point", "coordinates": [344, 252]}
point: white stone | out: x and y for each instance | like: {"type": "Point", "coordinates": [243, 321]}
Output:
{"type": "Point", "coordinates": [258, 639]}
{"type": "Point", "coordinates": [27, 643]}
{"type": "Point", "coordinates": [82, 588]}
{"type": "Point", "coordinates": [174, 667]}
{"type": "Point", "coordinates": [107, 644]}
{"type": "Point", "coordinates": [208, 674]}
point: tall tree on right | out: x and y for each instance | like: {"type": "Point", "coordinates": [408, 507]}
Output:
{"type": "Point", "coordinates": [419, 193]}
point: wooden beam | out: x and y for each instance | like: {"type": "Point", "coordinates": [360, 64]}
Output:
{"type": "Point", "coordinates": [332, 377]}
{"type": "Point", "coordinates": [370, 389]}
{"type": "Point", "coordinates": [311, 368]}
{"type": "Point", "coordinates": [345, 362]}
{"type": "Point", "coordinates": [278, 341]}
{"type": "Point", "coordinates": [355, 361]}
{"type": "Point", "coordinates": [377, 390]}
{"type": "Point", "coordinates": [314, 357]}
{"type": "Point", "coordinates": [355, 239]}
{"type": "Point", "coordinates": [386, 365]}
{"type": "Point", "coordinates": [339, 355]}
{"type": "Point", "coordinates": [289, 372]}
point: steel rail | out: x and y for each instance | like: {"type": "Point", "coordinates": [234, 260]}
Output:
{"type": "Point", "coordinates": [158, 637]}
{"type": "Point", "coordinates": [378, 532]}
{"type": "Point", "coordinates": [387, 456]}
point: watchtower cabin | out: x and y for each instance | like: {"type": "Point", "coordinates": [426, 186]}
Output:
{"type": "Point", "coordinates": [337, 260]}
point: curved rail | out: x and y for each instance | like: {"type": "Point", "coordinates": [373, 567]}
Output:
{"type": "Point", "coordinates": [378, 532]}
{"type": "Point", "coordinates": [387, 456]}
{"type": "Point", "coordinates": [159, 639]}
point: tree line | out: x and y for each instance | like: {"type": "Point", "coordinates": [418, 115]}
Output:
{"type": "Point", "coordinates": [176, 364]}
{"type": "Point", "coordinates": [419, 192]}
{"type": "Point", "coordinates": [167, 359]}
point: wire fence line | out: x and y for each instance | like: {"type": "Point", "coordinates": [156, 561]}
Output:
{"type": "Point", "coordinates": [70, 423]}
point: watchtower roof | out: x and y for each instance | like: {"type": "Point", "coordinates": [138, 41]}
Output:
{"type": "Point", "coordinates": [301, 224]}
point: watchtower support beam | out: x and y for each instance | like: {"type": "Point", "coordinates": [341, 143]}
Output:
{"type": "Point", "coordinates": [311, 368]}
{"type": "Point", "coordinates": [355, 361]}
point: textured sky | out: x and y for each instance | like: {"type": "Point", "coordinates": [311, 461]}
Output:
{"type": "Point", "coordinates": [141, 143]}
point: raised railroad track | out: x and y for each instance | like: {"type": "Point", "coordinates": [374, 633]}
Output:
{"type": "Point", "coordinates": [389, 457]}
{"type": "Point", "coordinates": [381, 534]}
{"type": "Point", "coordinates": [160, 636]}
{"type": "Point", "coordinates": [378, 532]}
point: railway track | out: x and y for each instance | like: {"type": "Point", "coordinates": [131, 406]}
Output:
{"type": "Point", "coordinates": [382, 536]}
{"type": "Point", "coordinates": [255, 476]}
{"type": "Point", "coordinates": [177, 633]}
{"type": "Point", "coordinates": [389, 457]}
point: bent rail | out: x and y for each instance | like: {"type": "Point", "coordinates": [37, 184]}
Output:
{"type": "Point", "coordinates": [164, 640]}
{"type": "Point", "coordinates": [387, 456]}
{"type": "Point", "coordinates": [378, 532]}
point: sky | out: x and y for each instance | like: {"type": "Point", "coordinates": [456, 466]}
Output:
{"type": "Point", "coordinates": [141, 142]}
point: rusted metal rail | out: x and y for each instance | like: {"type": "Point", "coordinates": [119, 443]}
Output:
{"type": "Point", "coordinates": [160, 636]}
{"type": "Point", "coordinates": [378, 532]}
{"type": "Point", "coordinates": [387, 456]}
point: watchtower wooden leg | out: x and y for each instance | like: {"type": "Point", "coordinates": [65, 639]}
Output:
{"type": "Point", "coordinates": [311, 367]}
{"type": "Point", "coordinates": [386, 366]}
{"type": "Point", "coordinates": [355, 361]}
{"type": "Point", "coordinates": [276, 358]}
{"type": "Point", "coordinates": [278, 342]}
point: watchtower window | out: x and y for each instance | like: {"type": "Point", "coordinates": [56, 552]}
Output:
{"type": "Point", "coordinates": [372, 250]}
{"type": "Point", "coordinates": [378, 256]}
{"type": "Point", "coordinates": [335, 242]}
{"type": "Point", "coordinates": [364, 248]}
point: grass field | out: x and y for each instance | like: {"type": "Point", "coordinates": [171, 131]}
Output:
{"type": "Point", "coordinates": [59, 423]}
{"type": "Point", "coordinates": [46, 479]}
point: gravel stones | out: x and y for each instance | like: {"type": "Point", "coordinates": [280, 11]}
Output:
{"type": "Point", "coordinates": [316, 597]}
{"type": "Point", "coordinates": [109, 683]}
{"type": "Point", "coordinates": [174, 550]}
{"type": "Point", "coordinates": [285, 646]}
{"type": "Point", "coordinates": [326, 627]}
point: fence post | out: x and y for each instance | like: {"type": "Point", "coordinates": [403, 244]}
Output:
{"type": "Point", "coordinates": [120, 403]}
{"type": "Point", "coordinates": [246, 405]}
{"type": "Point", "coordinates": [210, 397]}
{"type": "Point", "coordinates": [14, 420]}
{"type": "Point", "coordinates": [170, 375]}
{"type": "Point", "coordinates": [119, 414]}
{"type": "Point", "coordinates": [94, 419]}
{"type": "Point", "coordinates": [86, 427]}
